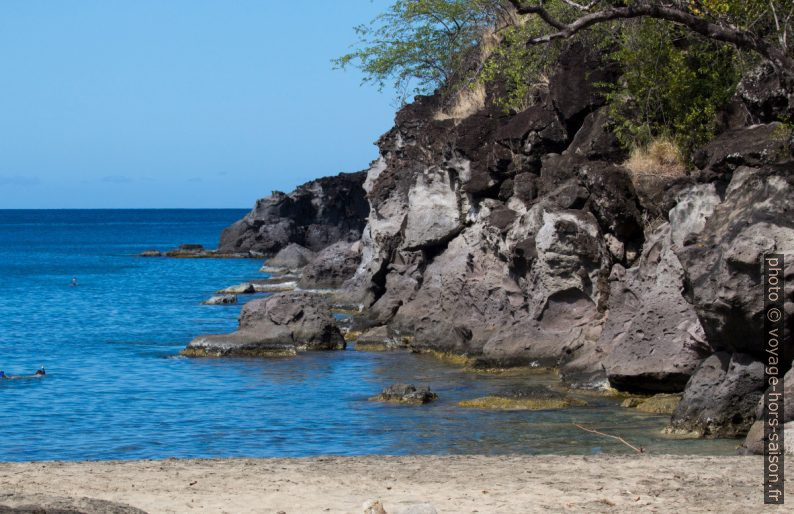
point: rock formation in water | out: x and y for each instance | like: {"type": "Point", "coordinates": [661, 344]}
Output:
{"type": "Point", "coordinates": [521, 239]}
{"type": "Point", "coordinates": [315, 215]}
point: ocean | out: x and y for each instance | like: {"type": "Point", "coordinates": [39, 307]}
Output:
{"type": "Point", "coordinates": [117, 388]}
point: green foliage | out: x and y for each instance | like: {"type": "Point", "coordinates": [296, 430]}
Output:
{"type": "Point", "coordinates": [673, 85]}
{"type": "Point", "coordinates": [421, 44]}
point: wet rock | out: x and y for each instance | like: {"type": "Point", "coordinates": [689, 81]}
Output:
{"type": "Point", "coordinates": [226, 299]}
{"type": "Point", "coordinates": [291, 257]}
{"type": "Point", "coordinates": [406, 393]}
{"type": "Point", "coordinates": [652, 340]}
{"type": "Point", "coordinates": [332, 266]}
{"type": "Point", "coordinates": [246, 288]}
{"type": "Point", "coordinates": [315, 215]}
{"type": "Point", "coordinates": [151, 253]}
{"type": "Point", "coordinates": [721, 397]}
{"type": "Point", "coordinates": [280, 325]}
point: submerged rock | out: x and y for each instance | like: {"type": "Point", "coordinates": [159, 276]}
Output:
{"type": "Point", "coordinates": [535, 398]}
{"type": "Point", "coordinates": [657, 404]}
{"type": "Point", "coordinates": [406, 393]}
{"type": "Point", "coordinates": [187, 250]}
{"type": "Point", "coordinates": [226, 299]}
{"type": "Point", "coordinates": [151, 253]}
{"type": "Point", "coordinates": [280, 325]}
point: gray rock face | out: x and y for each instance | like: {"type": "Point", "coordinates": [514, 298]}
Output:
{"type": "Point", "coordinates": [291, 257]}
{"type": "Point", "coordinates": [754, 442]}
{"type": "Point", "coordinates": [721, 397]}
{"type": "Point", "coordinates": [332, 266]}
{"type": "Point", "coordinates": [315, 215]}
{"type": "Point", "coordinates": [279, 325]}
{"type": "Point", "coordinates": [724, 268]}
{"type": "Point", "coordinates": [652, 340]}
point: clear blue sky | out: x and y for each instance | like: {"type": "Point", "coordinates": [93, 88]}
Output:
{"type": "Point", "coordinates": [179, 103]}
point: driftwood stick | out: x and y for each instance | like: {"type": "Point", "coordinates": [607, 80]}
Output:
{"type": "Point", "coordinates": [593, 431]}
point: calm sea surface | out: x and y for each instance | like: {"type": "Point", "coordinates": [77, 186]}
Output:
{"type": "Point", "coordinates": [116, 388]}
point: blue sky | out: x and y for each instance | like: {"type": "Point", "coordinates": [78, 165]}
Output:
{"type": "Point", "coordinates": [179, 103]}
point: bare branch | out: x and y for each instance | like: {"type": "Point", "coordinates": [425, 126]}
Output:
{"type": "Point", "coordinates": [593, 431]}
{"type": "Point", "coordinates": [580, 6]}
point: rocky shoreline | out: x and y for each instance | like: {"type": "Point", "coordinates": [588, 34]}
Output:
{"type": "Point", "coordinates": [523, 240]}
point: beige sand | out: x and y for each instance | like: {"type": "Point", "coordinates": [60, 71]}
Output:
{"type": "Point", "coordinates": [481, 484]}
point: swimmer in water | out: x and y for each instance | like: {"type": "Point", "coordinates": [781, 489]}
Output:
{"type": "Point", "coordinates": [40, 372]}
{"type": "Point", "coordinates": [74, 281]}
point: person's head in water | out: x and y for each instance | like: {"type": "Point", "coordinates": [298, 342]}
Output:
{"type": "Point", "coordinates": [74, 281]}
{"type": "Point", "coordinates": [41, 372]}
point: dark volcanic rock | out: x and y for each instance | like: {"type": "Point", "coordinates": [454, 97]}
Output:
{"type": "Point", "coordinates": [764, 97]}
{"type": "Point", "coordinates": [405, 393]}
{"type": "Point", "coordinates": [748, 146]}
{"type": "Point", "coordinates": [315, 215]}
{"type": "Point", "coordinates": [332, 266]}
{"type": "Point", "coordinates": [721, 397]}
{"type": "Point", "coordinates": [279, 325]}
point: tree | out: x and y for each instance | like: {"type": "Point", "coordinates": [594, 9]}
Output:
{"type": "Point", "coordinates": [422, 44]}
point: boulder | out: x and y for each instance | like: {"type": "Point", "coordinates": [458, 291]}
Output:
{"type": "Point", "coordinates": [406, 393]}
{"type": "Point", "coordinates": [291, 257]}
{"type": "Point", "coordinates": [315, 215]}
{"type": "Point", "coordinates": [245, 288]}
{"type": "Point", "coordinates": [280, 325]}
{"type": "Point", "coordinates": [721, 397]}
{"type": "Point", "coordinates": [332, 266]}
{"type": "Point", "coordinates": [652, 340]}
{"type": "Point", "coordinates": [724, 267]}
{"type": "Point", "coordinates": [38, 503]}
{"type": "Point", "coordinates": [226, 299]}
{"type": "Point", "coordinates": [754, 146]}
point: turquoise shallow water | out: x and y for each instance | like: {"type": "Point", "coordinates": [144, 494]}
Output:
{"type": "Point", "coordinates": [117, 389]}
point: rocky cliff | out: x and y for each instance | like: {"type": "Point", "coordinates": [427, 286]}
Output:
{"type": "Point", "coordinates": [522, 240]}
{"type": "Point", "coordinates": [315, 215]}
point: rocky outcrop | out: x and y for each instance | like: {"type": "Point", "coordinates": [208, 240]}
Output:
{"type": "Point", "coordinates": [226, 299]}
{"type": "Point", "coordinates": [315, 215]}
{"type": "Point", "coordinates": [246, 288]}
{"type": "Point", "coordinates": [280, 325]}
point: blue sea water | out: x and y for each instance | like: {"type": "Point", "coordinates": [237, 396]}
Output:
{"type": "Point", "coordinates": [116, 387]}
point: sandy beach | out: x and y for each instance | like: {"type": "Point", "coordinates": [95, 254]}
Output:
{"type": "Point", "coordinates": [452, 484]}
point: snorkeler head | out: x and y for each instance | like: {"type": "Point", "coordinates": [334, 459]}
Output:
{"type": "Point", "coordinates": [41, 372]}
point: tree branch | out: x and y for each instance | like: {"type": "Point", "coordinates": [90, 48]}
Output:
{"type": "Point", "coordinates": [741, 39]}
